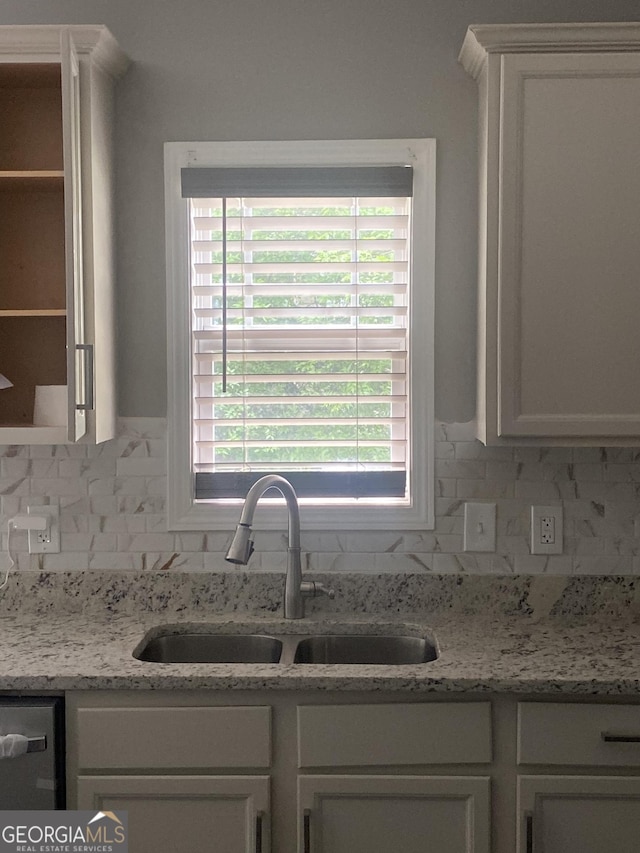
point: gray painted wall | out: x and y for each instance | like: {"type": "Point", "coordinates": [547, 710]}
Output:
{"type": "Point", "coordinates": [295, 69]}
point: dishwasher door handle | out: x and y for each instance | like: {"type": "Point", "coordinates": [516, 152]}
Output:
{"type": "Point", "coordinates": [37, 744]}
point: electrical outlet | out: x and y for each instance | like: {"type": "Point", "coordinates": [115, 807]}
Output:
{"type": "Point", "coordinates": [45, 541]}
{"type": "Point", "coordinates": [546, 529]}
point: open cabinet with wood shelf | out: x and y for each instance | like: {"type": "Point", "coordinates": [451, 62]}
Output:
{"type": "Point", "coordinates": [32, 239]}
{"type": "Point", "coordinates": [56, 316]}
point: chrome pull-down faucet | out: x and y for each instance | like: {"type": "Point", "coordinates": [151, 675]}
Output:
{"type": "Point", "coordinates": [241, 548]}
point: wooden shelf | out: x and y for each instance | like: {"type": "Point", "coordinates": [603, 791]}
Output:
{"type": "Point", "coordinates": [31, 179]}
{"type": "Point", "coordinates": [29, 434]}
{"type": "Point", "coordinates": [31, 173]}
{"type": "Point", "coordinates": [33, 312]}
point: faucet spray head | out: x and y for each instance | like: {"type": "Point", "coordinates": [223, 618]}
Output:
{"type": "Point", "coordinates": [241, 547]}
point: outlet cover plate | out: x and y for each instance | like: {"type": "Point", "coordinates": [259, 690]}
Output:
{"type": "Point", "coordinates": [479, 527]}
{"type": "Point", "coordinates": [547, 529]}
{"type": "Point", "coordinates": [45, 541]}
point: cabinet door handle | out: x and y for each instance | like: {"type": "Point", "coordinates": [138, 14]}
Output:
{"type": "Point", "coordinates": [528, 826]}
{"type": "Point", "coordinates": [259, 816]}
{"type": "Point", "coordinates": [306, 831]}
{"type": "Point", "coordinates": [612, 737]}
{"type": "Point", "coordinates": [87, 398]}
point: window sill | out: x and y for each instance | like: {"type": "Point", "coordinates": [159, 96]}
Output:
{"type": "Point", "coordinates": [271, 515]}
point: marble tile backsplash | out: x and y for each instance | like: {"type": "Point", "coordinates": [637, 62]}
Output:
{"type": "Point", "coordinates": [112, 511]}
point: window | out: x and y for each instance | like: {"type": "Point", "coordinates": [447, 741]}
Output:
{"type": "Point", "coordinates": [300, 316]}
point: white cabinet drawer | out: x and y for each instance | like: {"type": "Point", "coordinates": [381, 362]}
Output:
{"type": "Point", "coordinates": [403, 734]}
{"type": "Point", "coordinates": [174, 737]}
{"type": "Point", "coordinates": [598, 735]}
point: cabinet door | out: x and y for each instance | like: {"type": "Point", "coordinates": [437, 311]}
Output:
{"type": "Point", "coordinates": [578, 814]}
{"type": "Point", "coordinates": [79, 360]}
{"type": "Point", "coordinates": [568, 296]}
{"type": "Point", "coordinates": [379, 814]}
{"type": "Point", "coordinates": [185, 814]}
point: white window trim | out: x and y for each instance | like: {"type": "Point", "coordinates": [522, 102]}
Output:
{"type": "Point", "coordinates": [183, 512]}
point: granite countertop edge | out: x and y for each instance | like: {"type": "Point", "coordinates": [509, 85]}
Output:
{"type": "Point", "coordinates": [552, 656]}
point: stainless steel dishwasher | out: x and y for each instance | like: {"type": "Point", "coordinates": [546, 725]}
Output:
{"type": "Point", "coordinates": [32, 769]}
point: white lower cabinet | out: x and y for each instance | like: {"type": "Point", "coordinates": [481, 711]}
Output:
{"type": "Point", "coordinates": [198, 774]}
{"type": "Point", "coordinates": [198, 814]}
{"type": "Point", "coordinates": [379, 814]}
{"type": "Point", "coordinates": [384, 811]}
{"type": "Point", "coordinates": [596, 809]}
{"type": "Point", "coordinates": [579, 814]}
{"type": "Point", "coordinates": [192, 777]}
{"type": "Point", "coordinates": [221, 772]}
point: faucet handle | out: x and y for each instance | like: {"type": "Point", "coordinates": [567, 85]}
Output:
{"type": "Point", "coordinates": [330, 593]}
{"type": "Point", "coordinates": [312, 589]}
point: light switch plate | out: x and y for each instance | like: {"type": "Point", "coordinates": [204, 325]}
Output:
{"type": "Point", "coordinates": [479, 527]}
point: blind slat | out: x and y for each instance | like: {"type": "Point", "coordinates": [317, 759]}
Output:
{"type": "Point", "coordinates": [274, 421]}
{"type": "Point", "coordinates": [337, 442]}
{"type": "Point", "coordinates": [286, 288]}
{"type": "Point", "coordinates": [320, 334]}
{"type": "Point", "coordinates": [292, 339]}
{"type": "Point", "coordinates": [308, 400]}
{"type": "Point", "coordinates": [257, 224]}
{"type": "Point", "coordinates": [368, 244]}
{"type": "Point", "coordinates": [286, 267]}
{"type": "Point", "coordinates": [273, 378]}
{"type": "Point", "coordinates": [204, 358]}
{"type": "Point", "coordinates": [305, 311]}
{"type": "Point", "coordinates": [296, 341]}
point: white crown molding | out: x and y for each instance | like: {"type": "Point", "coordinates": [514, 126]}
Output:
{"type": "Point", "coordinates": [483, 39]}
{"type": "Point", "coordinates": [99, 43]}
{"type": "Point", "coordinates": [92, 41]}
{"type": "Point", "coordinates": [472, 54]}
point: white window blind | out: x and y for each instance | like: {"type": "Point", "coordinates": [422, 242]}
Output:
{"type": "Point", "coordinates": [299, 308]}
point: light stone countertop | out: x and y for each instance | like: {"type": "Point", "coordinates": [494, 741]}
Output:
{"type": "Point", "coordinates": [551, 656]}
{"type": "Point", "coordinates": [520, 634]}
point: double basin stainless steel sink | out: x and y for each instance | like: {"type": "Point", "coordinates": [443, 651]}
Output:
{"type": "Point", "coordinates": [347, 649]}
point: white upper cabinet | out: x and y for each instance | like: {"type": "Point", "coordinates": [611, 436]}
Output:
{"type": "Point", "coordinates": [57, 341]}
{"type": "Point", "coordinates": [559, 260]}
